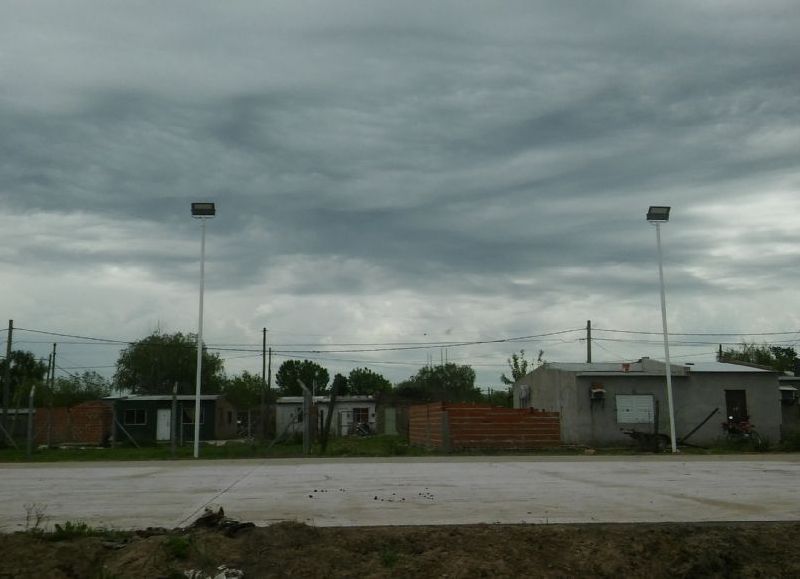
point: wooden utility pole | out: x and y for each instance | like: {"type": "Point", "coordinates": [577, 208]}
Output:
{"type": "Point", "coordinates": [269, 371]}
{"type": "Point", "coordinates": [589, 341]}
{"type": "Point", "coordinates": [7, 374]}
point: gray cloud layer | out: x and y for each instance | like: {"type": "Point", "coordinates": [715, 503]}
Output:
{"type": "Point", "coordinates": [444, 153]}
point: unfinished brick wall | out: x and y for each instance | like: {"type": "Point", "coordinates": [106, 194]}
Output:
{"type": "Point", "coordinates": [87, 423]}
{"type": "Point", "coordinates": [461, 426]}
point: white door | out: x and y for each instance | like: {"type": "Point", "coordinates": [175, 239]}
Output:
{"type": "Point", "coordinates": [163, 424]}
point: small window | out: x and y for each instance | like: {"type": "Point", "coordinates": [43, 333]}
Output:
{"type": "Point", "coordinates": [635, 409]}
{"type": "Point", "coordinates": [360, 415]}
{"type": "Point", "coordinates": [135, 417]}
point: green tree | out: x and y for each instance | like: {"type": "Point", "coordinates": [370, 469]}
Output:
{"type": "Point", "coordinates": [776, 357]}
{"type": "Point", "coordinates": [154, 364]}
{"type": "Point", "coordinates": [25, 371]}
{"type": "Point", "coordinates": [342, 384]}
{"type": "Point", "coordinates": [366, 381]}
{"type": "Point", "coordinates": [447, 382]}
{"type": "Point", "coordinates": [74, 389]}
{"type": "Point", "coordinates": [312, 374]}
{"type": "Point", "coordinates": [244, 391]}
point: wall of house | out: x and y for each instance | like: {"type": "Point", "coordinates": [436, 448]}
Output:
{"type": "Point", "coordinates": [286, 419]}
{"type": "Point", "coordinates": [286, 414]}
{"type": "Point", "coordinates": [790, 420]}
{"type": "Point", "coordinates": [464, 426]}
{"type": "Point", "coordinates": [707, 391]}
{"type": "Point", "coordinates": [87, 423]}
{"type": "Point", "coordinates": [226, 420]}
{"type": "Point", "coordinates": [584, 421]}
{"type": "Point", "coordinates": [551, 391]}
{"type": "Point", "coordinates": [595, 420]}
{"type": "Point", "coordinates": [146, 433]}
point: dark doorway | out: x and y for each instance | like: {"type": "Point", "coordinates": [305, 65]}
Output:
{"type": "Point", "coordinates": [736, 404]}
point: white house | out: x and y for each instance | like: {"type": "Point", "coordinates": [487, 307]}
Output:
{"type": "Point", "coordinates": [348, 413]}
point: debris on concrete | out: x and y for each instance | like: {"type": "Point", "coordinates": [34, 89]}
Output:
{"type": "Point", "coordinates": [223, 572]}
{"type": "Point", "coordinates": [211, 519]}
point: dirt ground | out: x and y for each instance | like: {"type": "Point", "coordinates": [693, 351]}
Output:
{"type": "Point", "coordinates": [296, 550]}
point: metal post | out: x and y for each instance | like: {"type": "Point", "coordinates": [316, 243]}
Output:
{"type": "Point", "coordinates": [308, 401]}
{"type": "Point", "coordinates": [199, 343]}
{"type": "Point", "coordinates": [666, 341]}
{"type": "Point", "coordinates": [173, 419]}
{"type": "Point", "coordinates": [262, 432]}
{"type": "Point", "coordinates": [588, 341]}
{"type": "Point", "coordinates": [30, 421]}
{"type": "Point", "coordinates": [7, 375]}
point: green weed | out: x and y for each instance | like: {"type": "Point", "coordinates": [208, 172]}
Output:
{"type": "Point", "coordinates": [178, 547]}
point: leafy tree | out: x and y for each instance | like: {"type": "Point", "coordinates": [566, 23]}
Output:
{"type": "Point", "coordinates": [25, 371]}
{"type": "Point", "coordinates": [775, 357]}
{"type": "Point", "coordinates": [312, 374]}
{"type": "Point", "coordinates": [154, 364]}
{"type": "Point", "coordinates": [447, 382]}
{"type": "Point", "coordinates": [244, 391]}
{"type": "Point", "coordinates": [365, 381]}
{"type": "Point", "coordinates": [342, 384]}
{"type": "Point", "coordinates": [72, 390]}
{"type": "Point", "coordinates": [519, 367]}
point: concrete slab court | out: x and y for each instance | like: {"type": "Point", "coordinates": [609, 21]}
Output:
{"type": "Point", "coordinates": [422, 491]}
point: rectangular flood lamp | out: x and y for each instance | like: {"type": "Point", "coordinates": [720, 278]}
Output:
{"type": "Point", "coordinates": [203, 210]}
{"type": "Point", "coordinates": [656, 213]}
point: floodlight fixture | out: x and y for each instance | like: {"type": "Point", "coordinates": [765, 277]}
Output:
{"type": "Point", "coordinates": [201, 210]}
{"type": "Point", "coordinates": [658, 213]}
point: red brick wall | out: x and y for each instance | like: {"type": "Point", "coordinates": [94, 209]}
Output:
{"type": "Point", "coordinates": [461, 426]}
{"type": "Point", "coordinates": [425, 424]}
{"type": "Point", "coordinates": [87, 423]}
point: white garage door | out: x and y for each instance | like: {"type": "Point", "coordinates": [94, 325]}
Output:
{"type": "Point", "coordinates": [635, 409]}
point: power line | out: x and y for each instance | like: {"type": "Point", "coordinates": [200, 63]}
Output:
{"type": "Point", "coordinates": [698, 333]}
{"type": "Point", "coordinates": [376, 347]}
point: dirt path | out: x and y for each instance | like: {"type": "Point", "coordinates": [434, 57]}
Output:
{"type": "Point", "coordinates": [297, 550]}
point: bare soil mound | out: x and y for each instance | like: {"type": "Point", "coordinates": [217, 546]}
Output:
{"type": "Point", "coordinates": [297, 550]}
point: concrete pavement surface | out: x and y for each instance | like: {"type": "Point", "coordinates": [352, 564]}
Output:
{"type": "Point", "coordinates": [396, 491]}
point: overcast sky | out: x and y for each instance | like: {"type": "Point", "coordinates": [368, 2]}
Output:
{"type": "Point", "coordinates": [407, 172]}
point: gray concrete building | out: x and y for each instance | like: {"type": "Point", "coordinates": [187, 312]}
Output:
{"type": "Point", "coordinates": [599, 401]}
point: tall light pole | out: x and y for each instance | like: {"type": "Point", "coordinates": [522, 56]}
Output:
{"type": "Point", "coordinates": [203, 212]}
{"type": "Point", "coordinates": [658, 215]}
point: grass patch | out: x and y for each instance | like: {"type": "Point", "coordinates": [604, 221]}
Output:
{"type": "Point", "coordinates": [177, 547]}
{"type": "Point", "coordinates": [344, 446]}
{"type": "Point", "coordinates": [70, 530]}
{"type": "Point", "coordinates": [389, 557]}
{"type": "Point", "coordinates": [370, 446]}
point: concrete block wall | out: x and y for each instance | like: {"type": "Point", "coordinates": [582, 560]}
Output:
{"type": "Point", "coordinates": [87, 423]}
{"type": "Point", "coordinates": [464, 426]}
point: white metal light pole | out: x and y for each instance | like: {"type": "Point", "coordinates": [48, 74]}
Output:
{"type": "Point", "coordinates": [203, 212]}
{"type": "Point", "coordinates": [658, 215]}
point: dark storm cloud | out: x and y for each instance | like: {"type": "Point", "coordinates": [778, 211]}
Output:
{"type": "Point", "coordinates": [453, 150]}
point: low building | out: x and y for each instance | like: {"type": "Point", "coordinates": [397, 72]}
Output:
{"type": "Point", "coordinates": [148, 418]}
{"type": "Point", "coordinates": [790, 405]}
{"type": "Point", "coordinates": [598, 402]}
{"type": "Point", "coordinates": [349, 414]}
